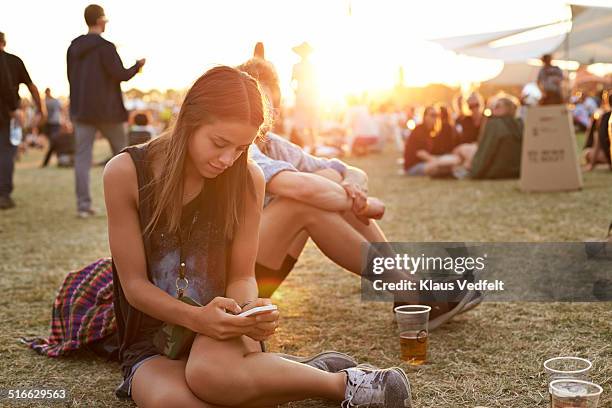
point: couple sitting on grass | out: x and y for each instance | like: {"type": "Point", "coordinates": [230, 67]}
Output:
{"type": "Point", "coordinates": [495, 155]}
{"type": "Point", "coordinates": [190, 214]}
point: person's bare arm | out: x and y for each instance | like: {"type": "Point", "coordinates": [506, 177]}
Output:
{"type": "Point", "coordinates": [311, 189]}
{"type": "Point", "coordinates": [127, 248]}
{"type": "Point", "coordinates": [356, 176]}
{"type": "Point", "coordinates": [305, 162]}
{"type": "Point", "coordinates": [241, 283]}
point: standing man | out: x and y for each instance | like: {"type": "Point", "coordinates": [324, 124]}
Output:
{"type": "Point", "coordinates": [550, 79]}
{"type": "Point", "coordinates": [12, 73]}
{"type": "Point", "coordinates": [95, 72]}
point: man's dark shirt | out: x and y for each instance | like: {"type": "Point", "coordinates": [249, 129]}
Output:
{"type": "Point", "coordinates": [12, 73]}
{"type": "Point", "coordinates": [95, 72]}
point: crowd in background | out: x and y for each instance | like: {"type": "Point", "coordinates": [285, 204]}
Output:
{"type": "Point", "coordinates": [438, 140]}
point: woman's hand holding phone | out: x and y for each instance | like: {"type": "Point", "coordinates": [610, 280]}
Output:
{"type": "Point", "coordinates": [265, 323]}
{"type": "Point", "coordinates": [218, 320]}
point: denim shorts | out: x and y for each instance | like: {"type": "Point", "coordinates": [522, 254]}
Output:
{"type": "Point", "coordinates": [125, 388]}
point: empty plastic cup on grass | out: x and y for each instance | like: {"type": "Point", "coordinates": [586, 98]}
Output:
{"type": "Point", "coordinates": [567, 367]}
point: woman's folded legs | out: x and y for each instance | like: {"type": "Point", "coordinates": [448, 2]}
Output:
{"type": "Point", "coordinates": [160, 382]}
{"type": "Point", "coordinates": [236, 373]}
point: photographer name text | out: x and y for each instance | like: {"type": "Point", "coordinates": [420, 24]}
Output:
{"type": "Point", "coordinates": [430, 285]}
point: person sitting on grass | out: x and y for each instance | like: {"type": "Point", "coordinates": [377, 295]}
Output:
{"type": "Point", "coordinates": [191, 201]}
{"type": "Point", "coordinates": [600, 152]}
{"type": "Point", "coordinates": [420, 139]}
{"type": "Point", "coordinates": [468, 126]}
{"type": "Point", "coordinates": [312, 197]}
{"type": "Point", "coordinates": [140, 130]}
{"type": "Point", "coordinates": [496, 155]}
{"type": "Point", "coordinates": [435, 135]}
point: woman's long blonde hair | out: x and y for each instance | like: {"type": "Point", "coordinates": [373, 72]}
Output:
{"type": "Point", "coordinates": [222, 93]}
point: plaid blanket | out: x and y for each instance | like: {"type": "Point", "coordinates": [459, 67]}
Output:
{"type": "Point", "coordinates": [82, 312]}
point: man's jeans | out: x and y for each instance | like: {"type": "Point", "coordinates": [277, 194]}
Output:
{"type": "Point", "coordinates": [7, 161]}
{"type": "Point", "coordinates": [85, 134]}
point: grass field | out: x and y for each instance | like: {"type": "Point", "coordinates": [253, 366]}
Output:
{"type": "Point", "coordinates": [489, 357]}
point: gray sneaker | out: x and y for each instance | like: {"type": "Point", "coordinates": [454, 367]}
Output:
{"type": "Point", "coordinates": [330, 361]}
{"type": "Point", "coordinates": [473, 302]}
{"type": "Point", "coordinates": [372, 388]}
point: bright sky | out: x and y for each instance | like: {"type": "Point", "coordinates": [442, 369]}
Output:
{"type": "Point", "coordinates": [363, 51]}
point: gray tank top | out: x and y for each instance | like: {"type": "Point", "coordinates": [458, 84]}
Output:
{"type": "Point", "coordinates": [206, 254]}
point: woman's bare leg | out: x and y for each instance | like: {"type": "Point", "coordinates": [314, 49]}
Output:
{"type": "Point", "coordinates": [437, 166]}
{"type": "Point", "coordinates": [466, 152]}
{"type": "Point", "coordinates": [298, 244]}
{"type": "Point", "coordinates": [284, 219]}
{"type": "Point", "coordinates": [371, 232]}
{"type": "Point", "coordinates": [235, 373]}
{"type": "Point", "coordinates": [160, 382]}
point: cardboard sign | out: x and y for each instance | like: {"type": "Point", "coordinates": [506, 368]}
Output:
{"type": "Point", "coordinates": [549, 161]}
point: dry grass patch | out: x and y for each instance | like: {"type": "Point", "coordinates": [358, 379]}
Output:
{"type": "Point", "coordinates": [489, 357]}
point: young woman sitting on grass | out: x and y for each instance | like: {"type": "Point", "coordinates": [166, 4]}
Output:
{"type": "Point", "coordinates": [192, 198]}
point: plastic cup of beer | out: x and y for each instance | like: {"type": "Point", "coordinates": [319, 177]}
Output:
{"type": "Point", "coordinates": [571, 393]}
{"type": "Point", "coordinates": [412, 321]}
{"type": "Point", "coordinates": [559, 368]}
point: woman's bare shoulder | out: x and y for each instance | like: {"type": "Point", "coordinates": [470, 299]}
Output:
{"type": "Point", "coordinates": [120, 175]}
{"type": "Point", "coordinates": [119, 167]}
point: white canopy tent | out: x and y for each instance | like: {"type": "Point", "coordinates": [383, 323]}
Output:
{"type": "Point", "coordinates": [515, 74]}
{"type": "Point", "coordinates": [588, 41]}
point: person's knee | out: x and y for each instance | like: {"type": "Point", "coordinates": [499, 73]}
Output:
{"type": "Point", "coordinates": [218, 382]}
{"type": "Point", "coordinates": [167, 397]}
{"type": "Point", "coordinates": [299, 210]}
